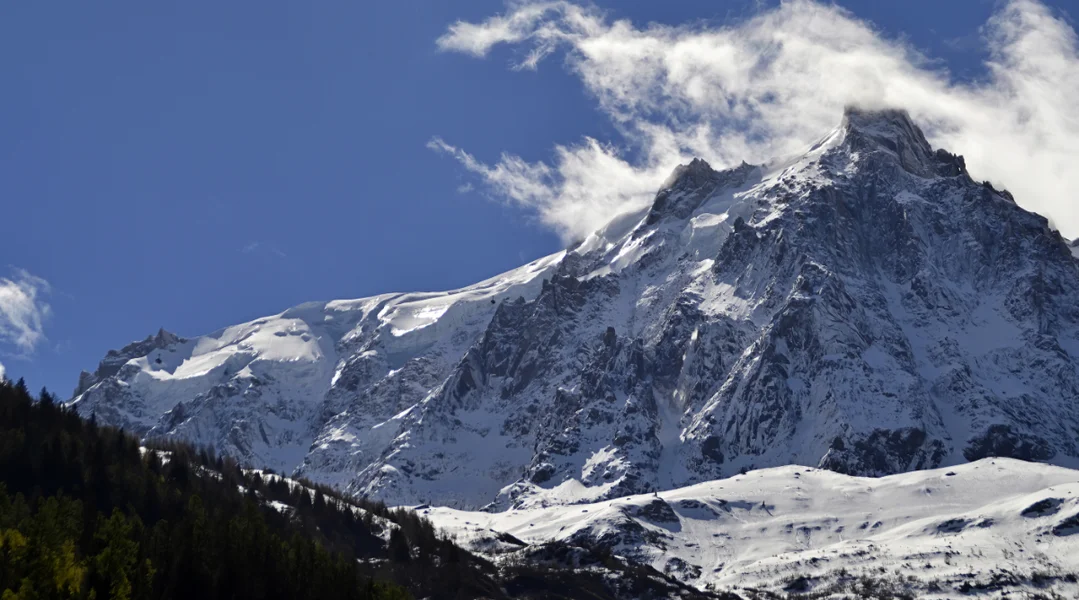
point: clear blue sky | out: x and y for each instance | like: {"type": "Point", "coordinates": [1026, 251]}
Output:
{"type": "Point", "coordinates": [145, 145]}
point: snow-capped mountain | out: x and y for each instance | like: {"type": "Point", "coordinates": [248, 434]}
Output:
{"type": "Point", "coordinates": [865, 307]}
{"type": "Point", "coordinates": [944, 533]}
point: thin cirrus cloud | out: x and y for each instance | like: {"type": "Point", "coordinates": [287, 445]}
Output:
{"type": "Point", "coordinates": [259, 247]}
{"type": "Point", "coordinates": [770, 85]}
{"type": "Point", "coordinates": [23, 312]}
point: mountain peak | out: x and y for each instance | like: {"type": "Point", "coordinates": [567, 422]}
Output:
{"type": "Point", "coordinates": [116, 359]}
{"type": "Point", "coordinates": [165, 338]}
{"type": "Point", "coordinates": [893, 130]}
{"type": "Point", "coordinates": [697, 172]}
{"type": "Point", "coordinates": [689, 185]}
{"type": "Point", "coordinates": [860, 118]}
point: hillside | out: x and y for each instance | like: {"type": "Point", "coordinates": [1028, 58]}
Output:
{"type": "Point", "coordinates": [994, 527]}
{"type": "Point", "coordinates": [86, 512]}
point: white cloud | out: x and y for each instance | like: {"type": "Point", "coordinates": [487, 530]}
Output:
{"type": "Point", "coordinates": [23, 311]}
{"type": "Point", "coordinates": [3, 371]}
{"type": "Point", "coordinates": [588, 185]}
{"type": "Point", "coordinates": [768, 86]}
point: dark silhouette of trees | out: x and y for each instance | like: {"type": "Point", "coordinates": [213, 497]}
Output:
{"type": "Point", "coordinates": [86, 512]}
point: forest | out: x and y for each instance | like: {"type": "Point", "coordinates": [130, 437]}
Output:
{"type": "Point", "coordinates": [88, 511]}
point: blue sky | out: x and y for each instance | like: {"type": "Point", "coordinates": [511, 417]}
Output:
{"type": "Point", "coordinates": [195, 165]}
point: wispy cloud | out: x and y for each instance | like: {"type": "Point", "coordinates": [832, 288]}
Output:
{"type": "Point", "coordinates": [769, 85]}
{"type": "Point", "coordinates": [253, 247]}
{"type": "Point", "coordinates": [23, 311]}
{"type": "Point", "coordinates": [588, 185]}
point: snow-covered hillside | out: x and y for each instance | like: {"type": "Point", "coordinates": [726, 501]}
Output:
{"type": "Point", "coordinates": [864, 307]}
{"type": "Point", "coordinates": [262, 391]}
{"type": "Point", "coordinates": [991, 527]}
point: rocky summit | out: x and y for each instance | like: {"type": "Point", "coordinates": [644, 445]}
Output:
{"type": "Point", "coordinates": [865, 307]}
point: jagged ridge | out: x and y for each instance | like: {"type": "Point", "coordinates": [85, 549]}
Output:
{"type": "Point", "coordinates": [866, 307]}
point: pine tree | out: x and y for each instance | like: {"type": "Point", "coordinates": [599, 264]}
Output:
{"type": "Point", "coordinates": [115, 566]}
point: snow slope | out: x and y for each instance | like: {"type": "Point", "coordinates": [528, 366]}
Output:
{"type": "Point", "coordinates": [993, 526]}
{"type": "Point", "coordinates": [260, 391]}
{"type": "Point", "coordinates": [864, 307]}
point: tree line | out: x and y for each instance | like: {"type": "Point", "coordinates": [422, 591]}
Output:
{"type": "Point", "coordinates": [89, 511]}
{"type": "Point", "coordinates": [86, 513]}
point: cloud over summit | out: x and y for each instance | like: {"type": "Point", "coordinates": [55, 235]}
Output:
{"type": "Point", "coordinates": [770, 85]}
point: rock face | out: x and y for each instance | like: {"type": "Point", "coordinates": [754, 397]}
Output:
{"type": "Point", "coordinates": [116, 359]}
{"type": "Point", "coordinates": [865, 307]}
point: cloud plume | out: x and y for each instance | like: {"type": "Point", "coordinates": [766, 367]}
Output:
{"type": "Point", "coordinates": [23, 311]}
{"type": "Point", "coordinates": [770, 85]}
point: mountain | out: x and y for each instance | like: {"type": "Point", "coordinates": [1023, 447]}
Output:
{"type": "Point", "coordinates": [865, 307]}
{"type": "Point", "coordinates": [943, 533]}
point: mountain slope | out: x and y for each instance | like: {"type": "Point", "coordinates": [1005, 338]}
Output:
{"type": "Point", "coordinates": [866, 307]}
{"type": "Point", "coordinates": [946, 533]}
{"type": "Point", "coordinates": [261, 391]}
{"type": "Point", "coordinates": [85, 512]}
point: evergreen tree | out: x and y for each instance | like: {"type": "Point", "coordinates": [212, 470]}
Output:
{"type": "Point", "coordinates": [85, 514]}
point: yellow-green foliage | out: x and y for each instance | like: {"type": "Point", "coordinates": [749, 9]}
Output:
{"type": "Point", "coordinates": [38, 549]}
